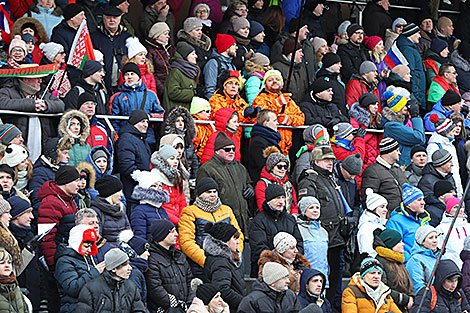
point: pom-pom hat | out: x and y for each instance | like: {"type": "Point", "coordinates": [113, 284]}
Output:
{"type": "Point", "coordinates": [443, 125]}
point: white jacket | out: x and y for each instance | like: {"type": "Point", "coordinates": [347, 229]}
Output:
{"type": "Point", "coordinates": [457, 237]}
{"type": "Point", "coordinates": [368, 222]}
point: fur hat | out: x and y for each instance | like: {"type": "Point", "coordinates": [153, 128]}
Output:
{"type": "Point", "coordinates": [145, 179]}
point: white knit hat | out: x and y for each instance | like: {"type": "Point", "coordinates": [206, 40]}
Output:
{"type": "Point", "coordinates": [423, 232]}
{"type": "Point", "coordinates": [284, 241]}
{"type": "Point", "coordinates": [51, 49]}
{"type": "Point", "coordinates": [374, 200]}
{"type": "Point", "coordinates": [273, 271]}
{"type": "Point", "coordinates": [14, 155]}
{"type": "Point", "coordinates": [145, 179]}
{"type": "Point", "coordinates": [134, 47]}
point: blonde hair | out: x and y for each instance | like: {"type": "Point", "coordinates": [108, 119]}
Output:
{"type": "Point", "coordinates": [376, 56]}
{"type": "Point", "coordinates": [149, 64]}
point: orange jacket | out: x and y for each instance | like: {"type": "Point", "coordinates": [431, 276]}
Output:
{"type": "Point", "coordinates": [292, 116]}
{"type": "Point", "coordinates": [203, 131]}
{"type": "Point", "coordinates": [221, 99]}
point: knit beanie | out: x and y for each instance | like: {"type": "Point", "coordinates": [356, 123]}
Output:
{"type": "Point", "coordinates": [259, 59]}
{"type": "Point", "coordinates": [222, 141]}
{"type": "Point", "coordinates": [451, 202]}
{"type": "Point", "coordinates": [98, 153]}
{"type": "Point", "coordinates": [239, 22]}
{"type": "Point", "coordinates": [367, 67]}
{"type": "Point", "coordinates": [17, 42]}
{"type": "Point", "coordinates": [273, 271]}
{"type": "Point", "coordinates": [417, 149]}
{"type": "Point", "coordinates": [440, 157]}
{"type": "Point", "coordinates": [184, 49]}
{"type": "Point", "coordinates": [8, 132]}
{"type": "Point", "coordinates": [320, 85]}
{"type": "Point", "coordinates": [396, 21]}
{"type": "Point", "coordinates": [273, 191]}
{"type": "Point", "coordinates": [131, 67]}
{"type": "Point", "coordinates": [343, 27]}
{"type": "Point", "coordinates": [199, 104]}
{"type": "Point", "coordinates": [410, 29]}
{"type": "Point", "coordinates": [206, 292]}
{"type": "Point", "coordinates": [157, 29]}
{"type": "Point", "coordinates": [191, 23]}
{"type": "Point", "coordinates": [318, 42]}
{"type": "Point", "coordinates": [51, 49]}
{"type": "Point", "coordinates": [410, 194]}
{"type": "Point", "coordinates": [283, 241]}
{"type": "Point", "coordinates": [307, 202]}
{"type": "Point", "coordinates": [395, 102]}
{"type": "Point", "coordinates": [71, 10]}
{"type": "Point", "coordinates": [272, 73]}
{"type": "Point", "coordinates": [27, 37]}
{"type": "Point", "coordinates": [223, 42]}
{"type": "Point", "coordinates": [167, 151]}
{"type": "Point", "coordinates": [18, 206]}
{"type": "Point", "coordinates": [288, 46]}
{"type": "Point", "coordinates": [367, 99]}
{"type": "Point", "coordinates": [255, 28]}
{"type": "Point", "coordinates": [353, 28]}
{"type": "Point", "coordinates": [205, 184]}
{"type": "Point", "coordinates": [108, 185]}
{"type": "Point", "coordinates": [388, 145]}
{"type": "Point", "coordinates": [159, 229]}
{"type": "Point", "coordinates": [370, 264]}
{"type": "Point", "coordinates": [443, 22]}
{"type": "Point", "coordinates": [221, 230]}
{"type": "Point", "coordinates": [197, 6]}
{"type": "Point", "coordinates": [450, 98]}
{"type": "Point", "coordinates": [137, 115]}
{"type": "Point", "coordinates": [401, 70]}
{"type": "Point", "coordinates": [329, 59]}
{"type": "Point", "coordinates": [353, 164]}
{"type": "Point", "coordinates": [314, 134]}
{"type": "Point", "coordinates": [66, 174]}
{"type": "Point", "coordinates": [442, 187]}
{"type": "Point", "coordinates": [5, 207]}
{"type": "Point", "coordinates": [91, 67]}
{"type": "Point", "coordinates": [372, 41]}
{"type": "Point", "coordinates": [437, 45]}
{"type": "Point", "coordinates": [274, 156]}
{"type": "Point", "coordinates": [423, 232]}
{"type": "Point", "coordinates": [390, 237]}
{"type": "Point", "coordinates": [342, 130]}
{"type": "Point", "coordinates": [374, 200]}
{"type": "Point", "coordinates": [114, 258]}
{"type": "Point", "coordinates": [293, 25]}
{"type": "Point", "coordinates": [443, 125]}
{"type": "Point", "coordinates": [134, 47]}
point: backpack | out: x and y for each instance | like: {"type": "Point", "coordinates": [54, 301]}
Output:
{"type": "Point", "coordinates": [201, 87]}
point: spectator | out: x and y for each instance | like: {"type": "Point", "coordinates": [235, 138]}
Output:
{"type": "Point", "coordinates": [73, 268]}
{"type": "Point", "coordinates": [344, 173]}
{"type": "Point", "coordinates": [460, 58]}
{"type": "Point", "coordinates": [435, 56]}
{"type": "Point", "coordinates": [86, 186]}
{"type": "Point", "coordinates": [312, 17]}
{"type": "Point", "coordinates": [180, 84]}
{"type": "Point", "coordinates": [275, 172]}
{"type": "Point", "coordinates": [10, 134]}
{"type": "Point", "coordinates": [235, 8]}
{"type": "Point", "coordinates": [192, 34]}
{"type": "Point", "coordinates": [436, 202]}
{"type": "Point", "coordinates": [315, 240]}
{"type": "Point", "coordinates": [89, 218]}
{"type": "Point", "coordinates": [427, 32]}
{"type": "Point", "coordinates": [113, 285]}
{"type": "Point", "coordinates": [353, 53]}
{"type": "Point", "coordinates": [160, 50]}
{"type": "Point", "coordinates": [409, 216]}
{"type": "Point", "coordinates": [17, 51]}
{"type": "Point", "coordinates": [124, 5]}
{"type": "Point", "coordinates": [377, 19]}
{"type": "Point", "coordinates": [374, 217]}
{"type": "Point", "coordinates": [169, 275]}
{"type": "Point", "coordinates": [223, 261]}
{"type": "Point", "coordinates": [329, 71]}
{"type": "Point", "coordinates": [201, 110]}
{"type": "Point", "coordinates": [20, 259]}
{"type": "Point", "coordinates": [270, 293]}
{"type": "Point", "coordinates": [208, 298]}
{"type": "Point", "coordinates": [459, 143]}
{"type": "Point", "coordinates": [451, 102]}
{"type": "Point", "coordinates": [48, 14]}
{"type": "Point", "coordinates": [221, 60]}
{"type": "Point", "coordinates": [59, 83]}
{"type": "Point", "coordinates": [240, 32]}
{"type": "Point", "coordinates": [341, 37]}
{"type": "Point", "coordinates": [423, 256]}
{"type": "Point", "coordinates": [256, 65]}
{"type": "Point", "coordinates": [273, 21]}
{"type": "Point", "coordinates": [346, 141]}
{"type": "Point", "coordinates": [364, 82]}
{"type": "Point", "coordinates": [444, 81]}
{"type": "Point", "coordinates": [407, 44]}
{"type": "Point", "coordinates": [132, 150]}
{"type": "Point", "coordinates": [257, 39]}
{"type": "Point", "coordinates": [101, 160]}
{"type": "Point", "coordinates": [8, 178]}
{"type": "Point", "coordinates": [464, 255]}
{"type": "Point", "coordinates": [75, 127]}
{"type": "Point", "coordinates": [391, 34]}
{"type": "Point", "coordinates": [16, 157]}
{"type": "Point", "coordinates": [29, 25]}
{"type": "Point", "coordinates": [400, 77]}
{"type": "Point", "coordinates": [445, 31]}
{"type": "Point", "coordinates": [414, 171]}
{"type": "Point", "coordinates": [202, 11]}
{"type": "Point", "coordinates": [321, 48]}
{"type": "Point", "coordinates": [312, 286]}
{"type": "Point", "coordinates": [13, 298]}
{"type": "Point", "coordinates": [256, 10]}
{"type": "Point", "coordinates": [157, 11]}
{"type": "Point", "coordinates": [377, 54]}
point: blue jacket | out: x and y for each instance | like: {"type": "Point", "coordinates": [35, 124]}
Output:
{"type": "Point", "coordinates": [305, 298]}
{"type": "Point", "coordinates": [253, 85]}
{"type": "Point", "coordinates": [128, 99]}
{"type": "Point", "coordinates": [403, 222]}
{"type": "Point", "coordinates": [47, 19]}
{"type": "Point", "coordinates": [420, 266]}
{"type": "Point", "coordinates": [416, 65]}
{"type": "Point", "coordinates": [441, 112]}
{"type": "Point", "coordinates": [212, 71]}
{"type": "Point", "coordinates": [109, 169]}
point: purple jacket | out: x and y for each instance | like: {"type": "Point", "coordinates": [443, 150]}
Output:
{"type": "Point", "coordinates": [465, 256]}
{"type": "Point", "coordinates": [381, 85]}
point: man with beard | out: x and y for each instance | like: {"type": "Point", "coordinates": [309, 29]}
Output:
{"type": "Point", "coordinates": [353, 53]}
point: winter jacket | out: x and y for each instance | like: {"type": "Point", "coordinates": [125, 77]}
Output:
{"type": "Point", "coordinates": [432, 63]}
{"type": "Point", "coordinates": [222, 269]}
{"type": "Point", "coordinates": [212, 71]}
{"type": "Point", "coordinates": [343, 148]}
{"type": "Point", "coordinates": [106, 294]}
{"type": "Point", "coordinates": [441, 113]}
{"type": "Point", "coordinates": [462, 67]}
{"type": "Point", "coordinates": [168, 278]}
{"type": "Point", "coordinates": [298, 85]}
{"type": "Point", "coordinates": [460, 230]}
{"type": "Point", "coordinates": [368, 222]}
{"type": "Point", "coordinates": [446, 302]}
{"type": "Point", "coordinates": [413, 174]}
{"type": "Point", "coordinates": [80, 148]}
{"type": "Point", "coordinates": [358, 86]}
{"type": "Point", "coordinates": [109, 167]}
{"type": "Point", "coordinates": [64, 35]}
{"type": "Point", "coordinates": [321, 112]}
{"type": "Point", "coordinates": [43, 171]}
{"type": "Point", "coordinates": [56, 207]}
{"type": "Point", "coordinates": [221, 99]}
{"type": "Point", "coordinates": [132, 153]}
{"type": "Point", "coordinates": [99, 91]}
{"type": "Point", "coordinates": [351, 58]}
{"type": "Point", "coordinates": [430, 177]}
{"type": "Point", "coordinates": [268, 178]}
{"type": "Point", "coordinates": [178, 88]}
{"type": "Point", "coordinates": [315, 240]}
{"type": "Point", "coordinates": [438, 88]}
{"type": "Point", "coordinates": [305, 298]}
{"type": "Point", "coordinates": [203, 132]}
{"type": "Point", "coordinates": [291, 116]}
{"type": "Point", "coordinates": [376, 20]}
{"type": "Point", "coordinates": [230, 177]}
{"type": "Point", "coordinates": [112, 219]}
{"type": "Point", "coordinates": [48, 17]}
{"type": "Point", "coordinates": [314, 23]}
{"type": "Point", "coordinates": [243, 47]}
{"type": "Point", "coordinates": [12, 299]}
{"type": "Point", "coordinates": [201, 46]}
{"type": "Point", "coordinates": [266, 225]}
{"type": "Point", "coordinates": [147, 78]}
{"type": "Point", "coordinates": [357, 299]}
{"type": "Point", "coordinates": [415, 63]}
{"type": "Point", "coordinates": [425, 41]}
{"type": "Point", "coordinates": [192, 234]}
{"type": "Point", "coordinates": [395, 126]}
{"type": "Point", "coordinates": [465, 257]}
{"type": "Point", "coordinates": [435, 208]}
{"type": "Point", "coordinates": [160, 57]}
{"type": "Point", "coordinates": [263, 298]}
{"type": "Point", "coordinates": [390, 37]}
{"type": "Point", "coordinates": [338, 86]}
{"type": "Point", "coordinates": [253, 85]}
{"type": "Point", "coordinates": [404, 221]}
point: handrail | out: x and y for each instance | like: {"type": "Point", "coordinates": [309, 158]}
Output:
{"type": "Point", "coordinates": [394, 6]}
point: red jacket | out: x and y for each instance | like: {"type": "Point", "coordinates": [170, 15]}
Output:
{"type": "Point", "coordinates": [359, 146]}
{"type": "Point", "coordinates": [356, 88]}
{"type": "Point", "coordinates": [56, 207]}
{"type": "Point", "coordinates": [261, 188]}
{"type": "Point", "coordinates": [176, 204]}
{"type": "Point", "coordinates": [221, 118]}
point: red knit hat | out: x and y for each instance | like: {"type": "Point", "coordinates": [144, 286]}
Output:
{"type": "Point", "coordinates": [372, 41]}
{"type": "Point", "coordinates": [223, 42]}
{"type": "Point", "coordinates": [450, 203]}
{"type": "Point", "coordinates": [89, 235]}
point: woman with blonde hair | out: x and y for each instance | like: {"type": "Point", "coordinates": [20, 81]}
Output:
{"type": "Point", "coordinates": [377, 54]}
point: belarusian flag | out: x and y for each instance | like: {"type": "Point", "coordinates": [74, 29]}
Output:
{"type": "Point", "coordinates": [82, 49]}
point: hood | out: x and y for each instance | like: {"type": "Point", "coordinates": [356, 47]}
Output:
{"type": "Point", "coordinates": [218, 248]}
{"type": "Point", "coordinates": [151, 194]}
{"type": "Point", "coordinates": [171, 117]}
{"type": "Point", "coordinates": [203, 43]}
{"type": "Point", "coordinates": [390, 116]}
{"type": "Point", "coordinates": [84, 122]}
{"type": "Point", "coordinates": [41, 36]}
{"type": "Point", "coordinates": [446, 269]}
{"type": "Point", "coordinates": [109, 168]}
{"type": "Point", "coordinates": [359, 114]}
{"type": "Point", "coordinates": [161, 165]}
{"type": "Point", "coordinates": [81, 233]}
{"type": "Point", "coordinates": [369, 217]}
{"type": "Point", "coordinates": [305, 277]}
{"type": "Point", "coordinates": [439, 108]}
{"type": "Point", "coordinates": [221, 118]}
{"type": "Point", "coordinates": [88, 168]}
{"type": "Point", "coordinates": [308, 133]}
{"type": "Point", "coordinates": [459, 61]}
{"type": "Point", "coordinates": [50, 188]}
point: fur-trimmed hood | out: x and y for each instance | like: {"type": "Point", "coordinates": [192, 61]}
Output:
{"type": "Point", "coordinates": [216, 247]}
{"type": "Point", "coordinates": [161, 165]}
{"type": "Point", "coordinates": [90, 170]}
{"type": "Point", "coordinates": [459, 61]}
{"type": "Point", "coordinates": [391, 116]}
{"type": "Point", "coordinates": [170, 121]}
{"type": "Point", "coordinates": [203, 43]}
{"type": "Point", "coordinates": [41, 35]}
{"type": "Point", "coordinates": [272, 256]}
{"type": "Point", "coordinates": [150, 195]}
{"type": "Point", "coordinates": [85, 129]}
{"type": "Point", "coordinates": [359, 114]}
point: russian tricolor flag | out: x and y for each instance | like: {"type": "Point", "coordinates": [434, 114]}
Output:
{"type": "Point", "coordinates": [394, 57]}
{"type": "Point", "coordinates": [5, 20]}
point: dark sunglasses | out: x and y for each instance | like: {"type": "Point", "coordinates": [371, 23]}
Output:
{"type": "Point", "coordinates": [400, 25]}
{"type": "Point", "coordinates": [232, 149]}
{"type": "Point", "coordinates": [282, 167]}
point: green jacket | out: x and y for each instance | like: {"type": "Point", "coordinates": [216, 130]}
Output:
{"type": "Point", "coordinates": [11, 299]}
{"type": "Point", "coordinates": [179, 89]}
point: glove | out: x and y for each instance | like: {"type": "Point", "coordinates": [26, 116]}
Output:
{"type": "Point", "coordinates": [333, 122]}
{"type": "Point", "coordinates": [361, 133]}
{"type": "Point", "coordinates": [34, 242]}
{"type": "Point", "coordinates": [413, 108]}
{"type": "Point", "coordinates": [251, 112]}
{"type": "Point", "coordinates": [464, 111]}
{"type": "Point", "coordinates": [248, 193]}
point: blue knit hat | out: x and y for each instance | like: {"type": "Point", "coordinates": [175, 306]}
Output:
{"type": "Point", "coordinates": [18, 206]}
{"type": "Point", "coordinates": [395, 102]}
{"type": "Point", "coordinates": [410, 194]}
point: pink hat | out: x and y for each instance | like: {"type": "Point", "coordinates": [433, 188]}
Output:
{"type": "Point", "coordinates": [451, 202]}
{"type": "Point", "coordinates": [372, 41]}
{"type": "Point", "coordinates": [17, 42]}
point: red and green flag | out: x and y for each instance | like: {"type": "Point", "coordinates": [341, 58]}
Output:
{"type": "Point", "coordinates": [31, 71]}
{"type": "Point", "coordinates": [82, 48]}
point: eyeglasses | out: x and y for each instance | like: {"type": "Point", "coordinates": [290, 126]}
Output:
{"type": "Point", "coordinates": [229, 149]}
{"type": "Point", "coordinates": [282, 167]}
{"type": "Point", "coordinates": [400, 25]}
{"type": "Point", "coordinates": [16, 50]}
{"type": "Point", "coordinates": [201, 11]}
{"type": "Point", "coordinates": [241, 9]}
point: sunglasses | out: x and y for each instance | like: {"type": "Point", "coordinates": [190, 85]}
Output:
{"type": "Point", "coordinates": [400, 25]}
{"type": "Point", "coordinates": [231, 149]}
{"type": "Point", "coordinates": [282, 167]}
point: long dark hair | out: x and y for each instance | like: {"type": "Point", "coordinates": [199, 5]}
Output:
{"type": "Point", "coordinates": [274, 18]}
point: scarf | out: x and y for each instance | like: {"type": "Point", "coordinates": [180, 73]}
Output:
{"type": "Point", "coordinates": [8, 279]}
{"type": "Point", "coordinates": [274, 137]}
{"type": "Point", "coordinates": [27, 89]}
{"type": "Point", "coordinates": [187, 68]}
{"type": "Point", "coordinates": [61, 84]}
{"type": "Point", "coordinates": [22, 181]}
{"type": "Point", "coordinates": [12, 63]}
{"type": "Point", "coordinates": [390, 255]}
{"type": "Point", "coordinates": [343, 143]}
{"type": "Point", "coordinates": [133, 86]}
{"type": "Point", "coordinates": [208, 206]}
{"type": "Point", "coordinates": [373, 293]}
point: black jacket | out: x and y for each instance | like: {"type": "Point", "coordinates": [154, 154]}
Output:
{"type": "Point", "coordinates": [339, 88]}
{"type": "Point", "coordinates": [430, 177]}
{"type": "Point", "coordinates": [112, 220]}
{"type": "Point", "coordinates": [99, 91]}
{"type": "Point", "coordinates": [314, 24]}
{"type": "Point", "coordinates": [318, 111]}
{"type": "Point", "coordinates": [168, 278]}
{"type": "Point", "coordinates": [351, 58]}
{"type": "Point", "coordinates": [435, 208]}
{"type": "Point", "coordinates": [376, 20]}
{"type": "Point", "coordinates": [106, 294]}
{"type": "Point", "coordinates": [264, 299]}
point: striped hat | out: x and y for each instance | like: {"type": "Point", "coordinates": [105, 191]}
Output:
{"type": "Point", "coordinates": [410, 194]}
{"type": "Point", "coordinates": [8, 132]}
{"type": "Point", "coordinates": [443, 125]}
{"type": "Point", "coordinates": [410, 29]}
{"type": "Point", "coordinates": [388, 145]}
{"type": "Point", "coordinates": [395, 102]}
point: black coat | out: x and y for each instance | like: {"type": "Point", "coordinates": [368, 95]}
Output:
{"type": "Point", "coordinates": [263, 299]}
{"type": "Point", "coordinates": [266, 225]}
{"type": "Point", "coordinates": [351, 58]}
{"type": "Point", "coordinates": [168, 278]}
{"type": "Point", "coordinates": [318, 111]}
{"type": "Point", "coordinates": [376, 20]}
{"type": "Point", "coordinates": [106, 294]}
{"type": "Point", "coordinates": [99, 91]}
{"type": "Point", "coordinates": [314, 24]}
{"type": "Point", "coordinates": [435, 208]}
{"type": "Point", "coordinates": [112, 220]}
{"type": "Point", "coordinates": [430, 177]}
{"type": "Point", "coordinates": [339, 88]}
